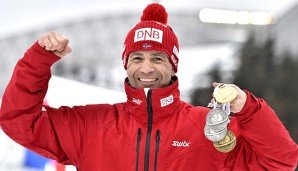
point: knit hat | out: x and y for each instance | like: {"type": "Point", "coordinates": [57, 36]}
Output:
{"type": "Point", "coordinates": [152, 33]}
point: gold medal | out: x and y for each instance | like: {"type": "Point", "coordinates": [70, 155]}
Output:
{"type": "Point", "coordinates": [225, 94]}
{"type": "Point", "coordinates": [227, 143]}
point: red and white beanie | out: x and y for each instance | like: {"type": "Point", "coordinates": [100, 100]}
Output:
{"type": "Point", "coordinates": [152, 33]}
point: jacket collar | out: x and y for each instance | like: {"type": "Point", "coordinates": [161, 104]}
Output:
{"type": "Point", "coordinates": [165, 102]}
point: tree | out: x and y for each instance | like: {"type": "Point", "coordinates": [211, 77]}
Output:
{"type": "Point", "coordinates": [256, 69]}
{"type": "Point", "coordinates": [201, 96]}
{"type": "Point", "coordinates": [286, 93]}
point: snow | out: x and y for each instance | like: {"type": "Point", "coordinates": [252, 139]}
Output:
{"type": "Point", "coordinates": [65, 92]}
{"type": "Point", "coordinates": [195, 61]}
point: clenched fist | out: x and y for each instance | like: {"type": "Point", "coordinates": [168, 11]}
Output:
{"type": "Point", "coordinates": [56, 43]}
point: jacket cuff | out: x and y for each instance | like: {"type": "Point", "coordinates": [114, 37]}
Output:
{"type": "Point", "coordinates": [51, 57]}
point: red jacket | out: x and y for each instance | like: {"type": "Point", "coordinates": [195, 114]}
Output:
{"type": "Point", "coordinates": [158, 132]}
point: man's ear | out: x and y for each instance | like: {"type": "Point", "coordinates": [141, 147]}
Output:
{"type": "Point", "coordinates": [173, 73]}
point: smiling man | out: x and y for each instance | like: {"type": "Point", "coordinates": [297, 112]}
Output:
{"type": "Point", "coordinates": [149, 69]}
{"type": "Point", "coordinates": [154, 129]}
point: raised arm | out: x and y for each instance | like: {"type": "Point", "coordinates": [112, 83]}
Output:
{"type": "Point", "coordinates": [21, 115]}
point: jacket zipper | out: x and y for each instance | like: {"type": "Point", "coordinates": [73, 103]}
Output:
{"type": "Point", "coordinates": [148, 137]}
{"type": "Point", "coordinates": [138, 148]}
{"type": "Point", "coordinates": [156, 149]}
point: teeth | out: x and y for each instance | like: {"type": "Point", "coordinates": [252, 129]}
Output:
{"type": "Point", "coordinates": [148, 79]}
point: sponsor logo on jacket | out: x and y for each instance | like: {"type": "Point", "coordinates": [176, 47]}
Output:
{"type": "Point", "coordinates": [166, 101]}
{"type": "Point", "coordinates": [137, 101]}
{"type": "Point", "coordinates": [180, 144]}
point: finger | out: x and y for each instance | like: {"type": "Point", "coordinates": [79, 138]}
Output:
{"type": "Point", "coordinates": [63, 53]}
{"type": "Point", "coordinates": [47, 44]}
{"type": "Point", "coordinates": [211, 103]}
{"type": "Point", "coordinates": [66, 51]}
{"type": "Point", "coordinates": [62, 42]}
{"type": "Point", "coordinates": [55, 43]}
{"type": "Point", "coordinates": [42, 40]}
{"type": "Point", "coordinates": [59, 42]}
{"type": "Point", "coordinates": [215, 84]}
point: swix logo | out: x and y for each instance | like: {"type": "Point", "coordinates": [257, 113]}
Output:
{"type": "Point", "coordinates": [137, 101]}
{"type": "Point", "coordinates": [148, 34]}
{"type": "Point", "coordinates": [180, 144]}
{"type": "Point", "coordinates": [166, 101]}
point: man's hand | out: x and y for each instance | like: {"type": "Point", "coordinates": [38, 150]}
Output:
{"type": "Point", "coordinates": [56, 43]}
{"type": "Point", "coordinates": [237, 104]}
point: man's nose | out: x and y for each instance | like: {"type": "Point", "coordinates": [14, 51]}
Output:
{"type": "Point", "coordinates": [147, 66]}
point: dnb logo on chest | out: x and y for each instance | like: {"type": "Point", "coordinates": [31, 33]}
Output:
{"type": "Point", "coordinates": [166, 101]}
{"type": "Point", "coordinates": [152, 34]}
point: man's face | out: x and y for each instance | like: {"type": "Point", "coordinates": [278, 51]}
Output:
{"type": "Point", "coordinates": [149, 69]}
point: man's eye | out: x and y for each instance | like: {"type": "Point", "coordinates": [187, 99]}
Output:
{"type": "Point", "coordinates": [158, 59]}
{"type": "Point", "coordinates": [137, 58]}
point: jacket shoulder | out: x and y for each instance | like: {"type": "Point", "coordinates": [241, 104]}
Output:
{"type": "Point", "coordinates": [197, 114]}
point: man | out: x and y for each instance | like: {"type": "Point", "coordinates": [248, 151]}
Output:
{"type": "Point", "coordinates": [154, 129]}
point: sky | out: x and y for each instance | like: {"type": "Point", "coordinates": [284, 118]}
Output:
{"type": "Point", "coordinates": [18, 15]}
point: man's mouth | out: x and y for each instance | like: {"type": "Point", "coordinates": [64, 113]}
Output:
{"type": "Point", "coordinates": [147, 80]}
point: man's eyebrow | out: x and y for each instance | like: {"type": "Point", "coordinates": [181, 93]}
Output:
{"type": "Point", "coordinates": [136, 53]}
{"type": "Point", "coordinates": [161, 54]}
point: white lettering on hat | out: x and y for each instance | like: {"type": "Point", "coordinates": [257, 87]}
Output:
{"type": "Point", "coordinates": [148, 34]}
{"type": "Point", "coordinates": [175, 51]}
{"type": "Point", "coordinates": [166, 101]}
{"type": "Point", "coordinates": [124, 55]}
{"type": "Point", "coordinates": [124, 59]}
{"type": "Point", "coordinates": [174, 60]}
{"type": "Point", "coordinates": [123, 48]}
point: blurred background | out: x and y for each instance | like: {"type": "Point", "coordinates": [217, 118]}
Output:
{"type": "Point", "coordinates": [253, 44]}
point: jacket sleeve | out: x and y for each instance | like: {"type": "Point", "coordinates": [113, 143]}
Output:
{"type": "Point", "coordinates": [21, 115]}
{"type": "Point", "coordinates": [270, 141]}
